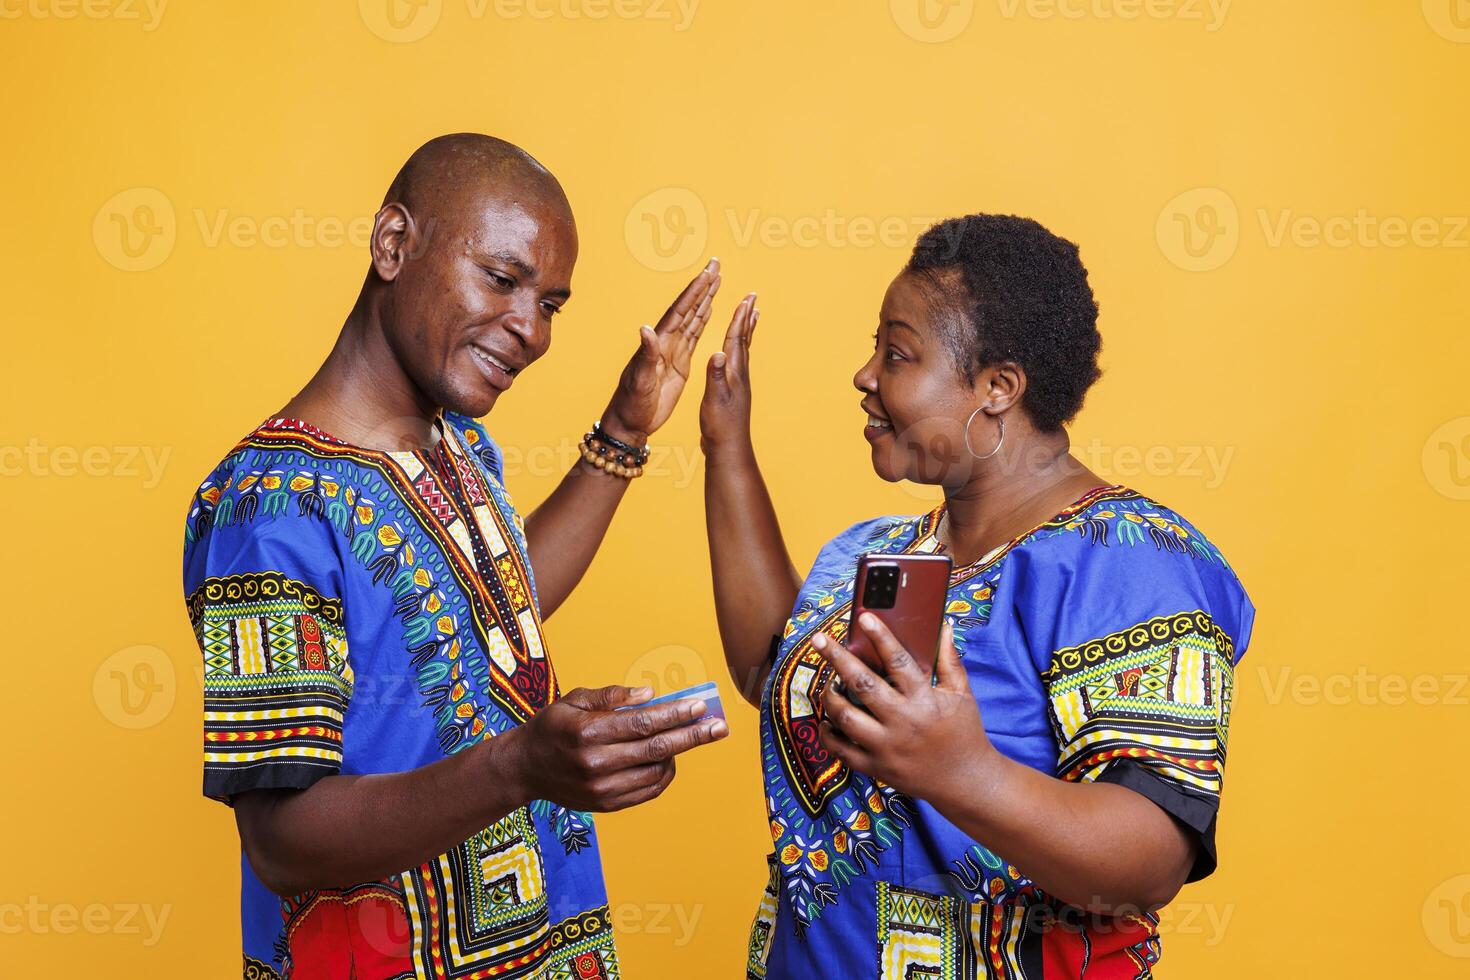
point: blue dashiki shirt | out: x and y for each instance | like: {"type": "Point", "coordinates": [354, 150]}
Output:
{"type": "Point", "coordinates": [1100, 646]}
{"type": "Point", "coordinates": [366, 612]}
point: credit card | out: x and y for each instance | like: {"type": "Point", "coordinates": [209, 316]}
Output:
{"type": "Point", "coordinates": [707, 692]}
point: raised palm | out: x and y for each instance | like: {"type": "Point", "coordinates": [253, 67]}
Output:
{"type": "Point", "coordinates": [658, 371]}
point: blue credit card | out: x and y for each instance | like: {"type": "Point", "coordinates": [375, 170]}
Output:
{"type": "Point", "coordinates": [707, 692]}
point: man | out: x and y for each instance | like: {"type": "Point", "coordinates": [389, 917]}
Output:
{"type": "Point", "coordinates": [410, 792]}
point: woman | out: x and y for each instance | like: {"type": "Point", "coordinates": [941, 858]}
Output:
{"type": "Point", "coordinates": [1025, 812]}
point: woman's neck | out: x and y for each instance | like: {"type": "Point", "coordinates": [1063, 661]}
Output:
{"type": "Point", "coordinates": [1009, 495]}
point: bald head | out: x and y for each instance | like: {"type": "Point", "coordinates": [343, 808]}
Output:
{"type": "Point", "coordinates": [449, 175]}
{"type": "Point", "coordinates": [472, 257]}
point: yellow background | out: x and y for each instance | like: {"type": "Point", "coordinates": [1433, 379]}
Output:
{"type": "Point", "coordinates": [1327, 379]}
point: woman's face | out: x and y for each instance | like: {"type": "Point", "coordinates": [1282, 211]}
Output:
{"type": "Point", "coordinates": [914, 397]}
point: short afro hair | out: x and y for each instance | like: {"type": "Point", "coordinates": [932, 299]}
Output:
{"type": "Point", "coordinates": [1024, 297]}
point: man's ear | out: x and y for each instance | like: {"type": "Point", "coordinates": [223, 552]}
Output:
{"type": "Point", "coordinates": [1000, 387]}
{"type": "Point", "coordinates": [394, 232]}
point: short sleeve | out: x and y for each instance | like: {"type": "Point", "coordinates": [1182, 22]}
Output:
{"type": "Point", "coordinates": [265, 600]}
{"type": "Point", "coordinates": [1137, 645]}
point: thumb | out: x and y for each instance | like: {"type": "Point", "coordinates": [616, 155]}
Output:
{"type": "Point", "coordinates": [717, 366]}
{"type": "Point", "coordinates": [649, 343]}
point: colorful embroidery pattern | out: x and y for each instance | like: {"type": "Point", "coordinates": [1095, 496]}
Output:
{"type": "Point", "coordinates": [759, 947]}
{"type": "Point", "coordinates": [431, 553]}
{"type": "Point", "coordinates": [948, 938]}
{"type": "Point", "coordinates": [482, 905]}
{"type": "Point", "coordinates": [276, 678]}
{"type": "Point", "coordinates": [1154, 690]}
{"type": "Point", "coordinates": [1156, 694]}
{"type": "Point", "coordinates": [469, 623]}
{"type": "Point", "coordinates": [582, 948]}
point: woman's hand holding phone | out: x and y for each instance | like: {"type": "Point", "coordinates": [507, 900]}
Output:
{"type": "Point", "coordinates": [920, 733]}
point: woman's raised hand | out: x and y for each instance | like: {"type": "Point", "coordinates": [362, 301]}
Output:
{"type": "Point", "coordinates": [724, 414]}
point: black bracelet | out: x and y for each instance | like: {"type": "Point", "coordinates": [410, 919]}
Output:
{"type": "Point", "coordinates": [597, 435]}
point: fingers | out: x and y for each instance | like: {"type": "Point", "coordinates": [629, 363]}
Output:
{"type": "Point", "coordinates": [736, 338]}
{"type": "Point", "coordinates": [695, 325]}
{"type": "Point", "coordinates": [949, 668]}
{"type": "Point", "coordinates": [685, 308]}
{"type": "Point", "coordinates": [876, 693]}
{"type": "Point", "coordinates": [607, 698]}
{"type": "Point", "coordinates": [667, 744]}
{"type": "Point", "coordinates": [644, 792]}
{"type": "Point", "coordinates": [903, 672]}
{"type": "Point", "coordinates": [853, 756]}
{"type": "Point", "coordinates": [642, 723]}
{"type": "Point", "coordinates": [857, 725]}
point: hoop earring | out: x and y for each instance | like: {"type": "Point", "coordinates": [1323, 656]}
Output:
{"type": "Point", "coordinates": [1001, 419]}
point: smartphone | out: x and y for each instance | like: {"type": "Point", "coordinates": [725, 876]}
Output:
{"type": "Point", "coordinates": [907, 593]}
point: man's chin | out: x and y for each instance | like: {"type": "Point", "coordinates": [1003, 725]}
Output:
{"type": "Point", "coordinates": [472, 403]}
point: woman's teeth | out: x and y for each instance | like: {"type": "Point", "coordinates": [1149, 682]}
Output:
{"type": "Point", "coordinates": [874, 422]}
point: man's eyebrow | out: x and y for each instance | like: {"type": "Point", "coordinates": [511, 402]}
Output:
{"type": "Point", "coordinates": [529, 271]}
{"type": "Point", "coordinates": [516, 262]}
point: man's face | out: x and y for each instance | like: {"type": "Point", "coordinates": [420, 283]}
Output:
{"type": "Point", "coordinates": [472, 304]}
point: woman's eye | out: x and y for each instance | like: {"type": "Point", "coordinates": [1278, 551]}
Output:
{"type": "Point", "coordinates": [893, 355]}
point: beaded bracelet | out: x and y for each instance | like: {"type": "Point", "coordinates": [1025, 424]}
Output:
{"type": "Point", "coordinates": [617, 463]}
{"type": "Point", "coordinates": [640, 456]}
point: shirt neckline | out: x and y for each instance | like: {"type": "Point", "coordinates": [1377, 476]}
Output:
{"type": "Point", "coordinates": [292, 424]}
{"type": "Point", "coordinates": [928, 537]}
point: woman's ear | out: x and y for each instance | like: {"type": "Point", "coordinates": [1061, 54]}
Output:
{"type": "Point", "coordinates": [1000, 386]}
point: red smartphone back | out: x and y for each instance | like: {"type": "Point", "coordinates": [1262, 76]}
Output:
{"type": "Point", "coordinates": [907, 593]}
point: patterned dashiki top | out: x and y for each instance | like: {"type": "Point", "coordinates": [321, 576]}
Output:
{"type": "Point", "coordinates": [367, 612]}
{"type": "Point", "coordinates": [1100, 646]}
